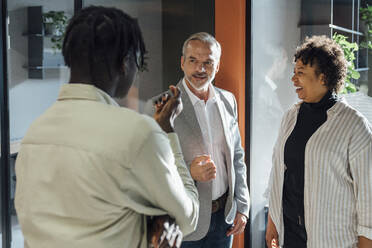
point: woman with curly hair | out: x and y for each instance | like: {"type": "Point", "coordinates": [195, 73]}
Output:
{"type": "Point", "coordinates": [321, 180]}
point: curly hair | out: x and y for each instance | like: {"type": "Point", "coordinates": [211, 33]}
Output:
{"type": "Point", "coordinates": [328, 58]}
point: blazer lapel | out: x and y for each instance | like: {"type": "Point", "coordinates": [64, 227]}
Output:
{"type": "Point", "coordinates": [188, 116]}
{"type": "Point", "coordinates": [222, 111]}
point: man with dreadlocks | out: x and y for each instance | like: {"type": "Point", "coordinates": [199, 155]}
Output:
{"type": "Point", "coordinates": [89, 171]}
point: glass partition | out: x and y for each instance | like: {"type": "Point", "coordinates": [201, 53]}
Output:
{"type": "Point", "coordinates": [36, 71]}
{"type": "Point", "coordinates": [149, 15]}
{"type": "Point", "coordinates": [278, 27]}
{"type": "Point", "coordinates": [165, 25]}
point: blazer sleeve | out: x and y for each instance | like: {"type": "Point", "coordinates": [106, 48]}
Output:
{"type": "Point", "coordinates": [163, 180]}
{"type": "Point", "coordinates": [361, 170]}
{"type": "Point", "coordinates": [241, 188]}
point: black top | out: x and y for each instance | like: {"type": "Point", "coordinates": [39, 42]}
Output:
{"type": "Point", "coordinates": [310, 117]}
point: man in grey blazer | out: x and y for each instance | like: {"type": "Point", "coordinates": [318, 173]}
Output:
{"type": "Point", "coordinates": [209, 135]}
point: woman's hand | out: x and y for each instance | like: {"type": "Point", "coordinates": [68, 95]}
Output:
{"type": "Point", "coordinates": [364, 242]}
{"type": "Point", "coordinates": [272, 236]}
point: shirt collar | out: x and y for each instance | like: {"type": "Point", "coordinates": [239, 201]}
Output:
{"type": "Point", "coordinates": [85, 92]}
{"type": "Point", "coordinates": [194, 99]}
{"type": "Point", "coordinates": [337, 108]}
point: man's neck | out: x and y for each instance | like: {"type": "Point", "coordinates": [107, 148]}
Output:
{"type": "Point", "coordinates": [85, 79]}
{"type": "Point", "coordinates": [79, 79]}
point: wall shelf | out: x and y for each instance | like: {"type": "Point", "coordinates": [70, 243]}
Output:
{"type": "Point", "coordinates": [346, 30]}
{"type": "Point", "coordinates": [40, 35]}
{"type": "Point", "coordinates": [327, 17]}
{"type": "Point", "coordinates": [362, 69]}
{"type": "Point", "coordinates": [44, 67]}
{"type": "Point", "coordinates": [39, 58]}
{"type": "Point", "coordinates": [321, 28]}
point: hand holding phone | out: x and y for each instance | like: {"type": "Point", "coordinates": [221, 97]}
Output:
{"type": "Point", "coordinates": [167, 107]}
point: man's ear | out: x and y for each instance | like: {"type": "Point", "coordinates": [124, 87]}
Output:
{"type": "Point", "coordinates": [218, 66]}
{"type": "Point", "coordinates": [322, 79]}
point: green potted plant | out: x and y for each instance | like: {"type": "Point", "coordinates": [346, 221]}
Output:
{"type": "Point", "coordinates": [349, 48]}
{"type": "Point", "coordinates": [54, 24]}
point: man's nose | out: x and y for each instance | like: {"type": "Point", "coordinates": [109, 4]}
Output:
{"type": "Point", "coordinates": [200, 67]}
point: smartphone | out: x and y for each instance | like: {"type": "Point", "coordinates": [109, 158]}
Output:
{"type": "Point", "coordinates": [157, 97]}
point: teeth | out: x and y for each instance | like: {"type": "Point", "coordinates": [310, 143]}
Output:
{"type": "Point", "coordinates": [298, 88]}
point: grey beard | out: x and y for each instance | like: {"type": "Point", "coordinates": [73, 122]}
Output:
{"type": "Point", "coordinates": [198, 88]}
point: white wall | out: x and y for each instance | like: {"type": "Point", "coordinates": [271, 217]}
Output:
{"type": "Point", "coordinates": [29, 98]}
{"type": "Point", "coordinates": [275, 37]}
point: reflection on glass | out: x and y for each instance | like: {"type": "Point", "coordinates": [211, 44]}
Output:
{"type": "Point", "coordinates": [274, 43]}
{"type": "Point", "coordinates": [149, 15]}
{"type": "Point", "coordinates": [36, 71]}
{"type": "Point", "coordinates": [165, 25]}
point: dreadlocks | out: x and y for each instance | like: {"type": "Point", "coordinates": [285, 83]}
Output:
{"type": "Point", "coordinates": [98, 34]}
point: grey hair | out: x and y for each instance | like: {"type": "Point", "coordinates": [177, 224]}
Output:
{"type": "Point", "coordinates": [203, 37]}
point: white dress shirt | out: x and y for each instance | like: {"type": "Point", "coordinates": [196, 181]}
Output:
{"type": "Point", "coordinates": [338, 179]}
{"type": "Point", "coordinates": [210, 122]}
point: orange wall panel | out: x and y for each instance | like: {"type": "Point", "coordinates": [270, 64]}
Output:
{"type": "Point", "coordinates": [230, 32]}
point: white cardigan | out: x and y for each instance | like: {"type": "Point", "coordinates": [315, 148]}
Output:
{"type": "Point", "coordinates": [338, 178]}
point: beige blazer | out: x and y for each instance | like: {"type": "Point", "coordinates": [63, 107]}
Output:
{"type": "Point", "coordinates": [89, 172]}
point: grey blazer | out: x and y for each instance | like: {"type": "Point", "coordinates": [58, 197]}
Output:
{"type": "Point", "coordinates": [187, 128]}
